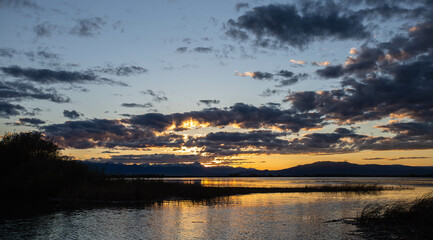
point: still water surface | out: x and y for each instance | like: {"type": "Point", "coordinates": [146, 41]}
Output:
{"type": "Point", "coordinates": [254, 216]}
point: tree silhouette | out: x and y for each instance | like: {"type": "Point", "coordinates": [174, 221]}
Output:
{"type": "Point", "coordinates": [32, 168]}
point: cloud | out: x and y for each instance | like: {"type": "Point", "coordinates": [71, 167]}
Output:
{"type": "Point", "coordinates": [7, 52]}
{"type": "Point", "coordinates": [291, 80]}
{"type": "Point", "coordinates": [20, 4]}
{"type": "Point", "coordinates": [298, 62]}
{"type": "Point", "coordinates": [47, 76]}
{"type": "Point", "coordinates": [331, 71]}
{"type": "Point", "coordinates": [398, 158]}
{"type": "Point", "coordinates": [157, 97]}
{"type": "Point", "coordinates": [123, 70]}
{"type": "Point", "coordinates": [284, 77]}
{"type": "Point", "coordinates": [282, 25]}
{"type": "Point", "coordinates": [342, 140]}
{"type": "Point", "coordinates": [33, 122]}
{"type": "Point", "coordinates": [203, 49]}
{"type": "Point", "coordinates": [270, 92]}
{"type": "Point", "coordinates": [109, 133]}
{"type": "Point", "coordinates": [17, 90]}
{"type": "Point", "coordinates": [42, 54]}
{"type": "Point", "coordinates": [257, 75]}
{"type": "Point", "coordinates": [154, 129]}
{"type": "Point", "coordinates": [88, 27]}
{"type": "Point", "coordinates": [8, 109]}
{"type": "Point", "coordinates": [239, 6]}
{"type": "Point", "coordinates": [45, 29]}
{"type": "Point", "coordinates": [71, 114]}
{"type": "Point", "coordinates": [208, 102]}
{"type": "Point", "coordinates": [155, 158]}
{"type": "Point", "coordinates": [410, 131]}
{"type": "Point", "coordinates": [181, 49]}
{"type": "Point", "coordinates": [392, 78]}
{"type": "Point", "coordinates": [136, 105]}
{"type": "Point", "coordinates": [325, 63]}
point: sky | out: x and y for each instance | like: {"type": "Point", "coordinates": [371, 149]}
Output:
{"type": "Point", "coordinates": [256, 84]}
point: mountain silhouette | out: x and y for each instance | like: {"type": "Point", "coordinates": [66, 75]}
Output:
{"type": "Point", "coordinates": [325, 168]}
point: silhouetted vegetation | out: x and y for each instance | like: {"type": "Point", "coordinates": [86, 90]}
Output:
{"type": "Point", "coordinates": [404, 219]}
{"type": "Point", "coordinates": [34, 172]}
{"type": "Point", "coordinates": [32, 169]}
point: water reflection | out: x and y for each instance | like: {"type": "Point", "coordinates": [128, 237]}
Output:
{"type": "Point", "coordinates": [299, 181]}
{"type": "Point", "coordinates": [254, 216]}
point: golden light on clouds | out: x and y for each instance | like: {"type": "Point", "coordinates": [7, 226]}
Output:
{"type": "Point", "coordinates": [325, 63]}
{"type": "Point", "coordinates": [192, 123]}
{"type": "Point", "coordinates": [300, 62]}
{"type": "Point", "coordinates": [353, 51]}
{"type": "Point", "coordinates": [246, 74]}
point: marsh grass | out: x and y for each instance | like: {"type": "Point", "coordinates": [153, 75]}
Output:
{"type": "Point", "coordinates": [408, 219]}
{"type": "Point", "coordinates": [138, 190]}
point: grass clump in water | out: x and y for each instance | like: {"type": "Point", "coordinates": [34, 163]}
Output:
{"type": "Point", "coordinates": [406, 219]}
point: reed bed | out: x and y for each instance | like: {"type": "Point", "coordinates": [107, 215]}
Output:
{"type": "Point", "coordinates": [403, 219]}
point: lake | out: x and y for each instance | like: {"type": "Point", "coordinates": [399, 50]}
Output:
{"type": "Point", "coordinates": [253, 216]}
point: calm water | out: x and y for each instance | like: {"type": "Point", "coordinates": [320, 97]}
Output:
{"type": "Point", "coordinates": [254, 216]}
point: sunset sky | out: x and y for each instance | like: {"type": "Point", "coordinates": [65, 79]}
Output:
{"type": "Point", "coordinates": [262, 84]}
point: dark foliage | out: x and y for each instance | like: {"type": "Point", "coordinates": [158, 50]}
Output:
{"type": "Point", "coordinates": [32, 169]}
{"type": "Point", "coordinates": [403, 219]}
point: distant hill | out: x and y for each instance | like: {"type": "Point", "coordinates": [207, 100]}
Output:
{"type": "Point", "coordinates": [314, 169]}
{"type": "Point", "coordinates": [176, 170]}
{"type": "Point", "coordinates": [350, 169]}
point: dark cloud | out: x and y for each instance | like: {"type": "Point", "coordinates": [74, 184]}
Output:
{"type": "Point", "coordinates": [33, 122]}
{"type": "Point", "coordinates": [410, 131]}
{"type": "Point", "coordinates": [279, 25]}
{"type": "Point", "coordinates": [109, 152]}
{"type": "Point", "coordinates": [156, 158]}
{"type": "Point", "coordinates": [393, 78]}
{"type": "Point", "coordinates": [284, 77]}
{"type": "Point", "coordinates": [88, 27]}
{"type": "Point", "coordinates": [71, 114]}
{"type": "Point", "coordinates": [208, 102]}
{"type": "Point", "coordinates": [47, 76]}
{"type": "Point", "coordinates": [140, 131]}
{"type": "Point", "coordinates": [8, 109]}
{"type": "Point", "coordinates": [18, 91]}
{"type": "Point", "coordinates": [291, 80]}
{"type": "Point", "coordinates": [7, 52]}
{"type": "Point", "coordinates": [398, 158]}
{"type": "Point", "coordinates": [108, 133]}
{"type": "Point", "coordinates": [157, 97]}
{"type": "Point", "coordinates": [45, 29]}
{"type": "Point", "coordinates": [20, 4]}
{"type": "Point", "coordinates": [240, 114]}
{"type": "Point", "coordinates": [181, 49]}
{"type": "Point", "coordinates": [263, 75]}
{"type": "Point", "coordinates": [331, 71]}
{"type": "Point", "coordinates": [285, 73]}
{"type": "Point", "coordinates": [342, 140]}
{"type": "Point", "coordinates": [203, 49]}
{"type": "Point", "coordinates": [239, 6]}
{"type": "Point", "coordinates": [123, 70]}
{"type": "Point", "coordinates": [270, 92]}
{"type": "Point", "coordinates": [390, 9]}
{"type": "Point", "coordinates": [136, 105]}
{"type": "Point", "coordinates": [42, 54]}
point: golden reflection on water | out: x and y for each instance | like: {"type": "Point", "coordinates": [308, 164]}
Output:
{"type": "Point", "coordinates": [253, 216]}
{"type": "Point", "coordinates": [271, 216]}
